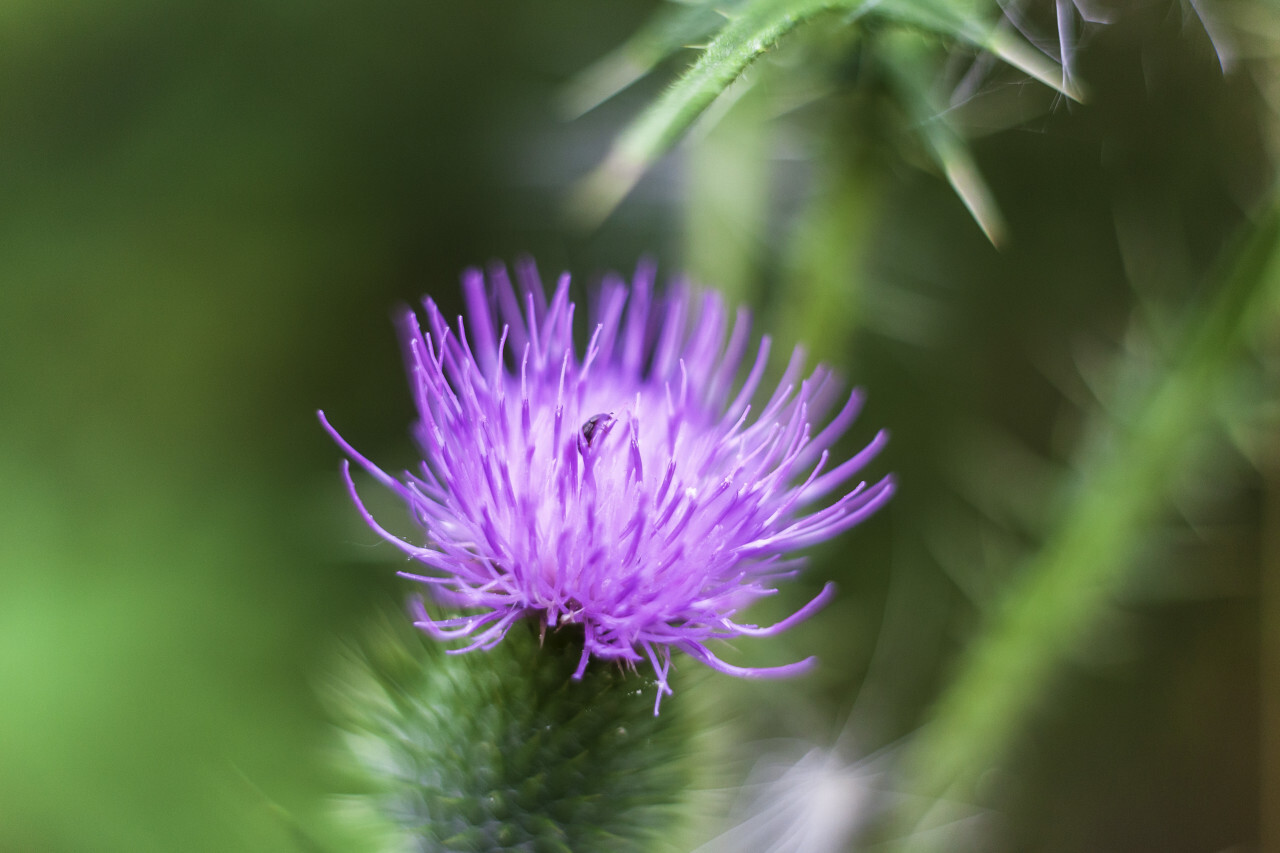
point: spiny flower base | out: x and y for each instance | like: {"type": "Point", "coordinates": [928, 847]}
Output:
{"type": "Point", "coordinates": [505, 750]}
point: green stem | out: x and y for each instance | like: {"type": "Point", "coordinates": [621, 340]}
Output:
{"type": "Point", "coordinates": [822, 304]}
{"type": "Point", "coordinates": [728, 200]}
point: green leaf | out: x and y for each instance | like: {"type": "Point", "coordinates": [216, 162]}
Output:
{"type": "Point", "coordinates": [744, 39]}
{"type": "Point", "coordinates": [750, 31]}
{"type": "Point", "coordinates": [911, 72]}
{"type": "Point", "coordinates": [977, 26]}
{"type": "Point", "coordinates": [671, 29]}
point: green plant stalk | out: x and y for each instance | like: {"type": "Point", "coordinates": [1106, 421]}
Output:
{"type": "Point", "coordinates": [1064, 588]}
{"type": "Point", "coordinates": [822, 303]}
{"type": "Point", "coordinates": [727, 200]}
{"type": "Point", "coordinates": [505, 750]}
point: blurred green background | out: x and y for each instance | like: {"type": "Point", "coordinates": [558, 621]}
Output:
{"type": "Point", "coordinates": [208, 211]}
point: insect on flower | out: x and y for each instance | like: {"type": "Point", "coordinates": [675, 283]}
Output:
{"type": "Point", "coordinates": [595, 424]}
{"type": "Point", "coordinates": [635, 490]}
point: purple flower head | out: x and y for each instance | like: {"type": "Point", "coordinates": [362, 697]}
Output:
{"type": "Point", "coordinates": [634, 490]}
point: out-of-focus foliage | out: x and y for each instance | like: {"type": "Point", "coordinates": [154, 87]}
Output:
{"type": "Point", "coordinates": [909, 37]}
{"type": "Point", "coordinates": [1085, 390]}
{"type": "Point", "coordinates": [206, 210]}
{"type": "Point", "coordinates": [1128, 471]}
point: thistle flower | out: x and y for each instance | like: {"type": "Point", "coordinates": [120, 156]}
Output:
{"type": "Point", "coordinates": [634, 490]}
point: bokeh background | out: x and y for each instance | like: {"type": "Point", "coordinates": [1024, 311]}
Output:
{"type": "Point", "coordinates": [208, 212]}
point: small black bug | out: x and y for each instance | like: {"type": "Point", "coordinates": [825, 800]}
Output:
{"type": "Point", "coordinates": [593, 425]}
